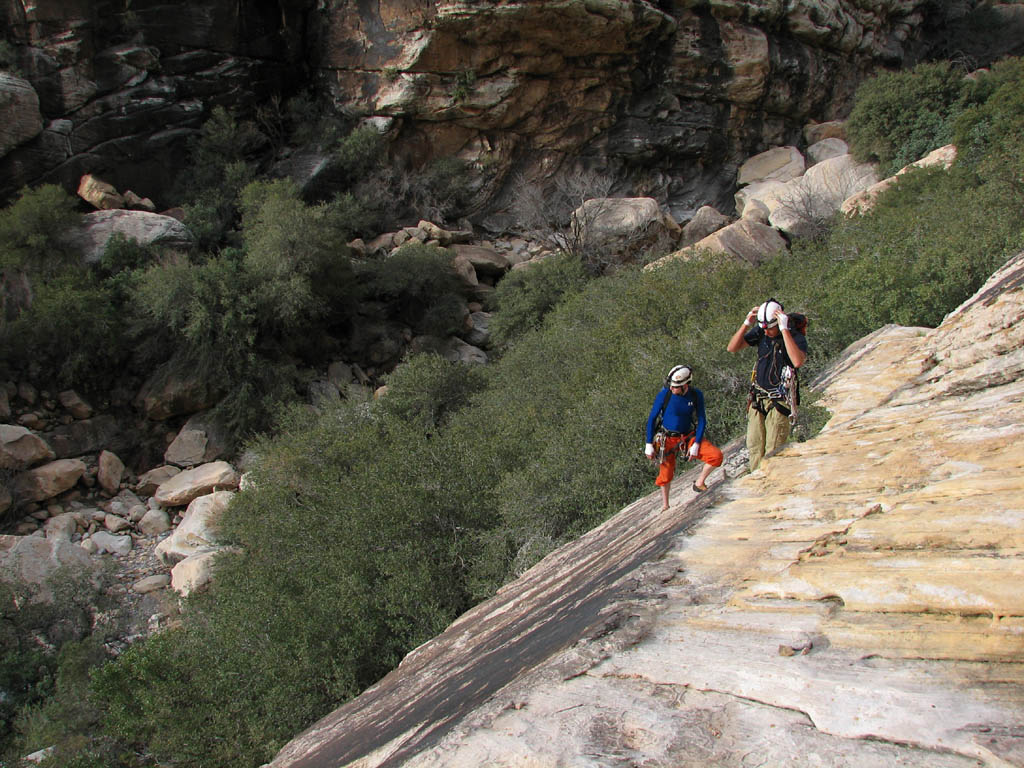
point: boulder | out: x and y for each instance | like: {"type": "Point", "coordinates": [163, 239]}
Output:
{"type": "Point", "coordinates": [151, 480]}
{"type": "Point", "coordinates": [155, 522]}
{"type": "Point", "coordinates": [193, 483]}
{"type": "Point", "coordinates": [757, 201]}
{"type": "Point", "coordinates": [116, 523]}
{"type": "Point", "coordinates": [48, 480]}
{"type": "Point", "coordinates": [812, 200]}
{"type": "Point", "coordinates": [464, 269]}
{"type": "Point", "coordinates": [624, 224]}
{"type": "Point", "coordinates": [146, 228]}
{"type": "Point", "coordinates": [74, 404]}
{"type": "Point", "coordinates": [34, 560]}
{"type": "Point", "coordinates": [99, 194]}
{"type": "Point", "coordinates": [323, 393]}
{"type": "Point", "coordinates": [62, 526]}
{"type": "Point", "coordinates": [825, 150]}
{"type": "Point", "coordinates": [202, 439]}
{"type": "Point", "coordinates": [111, 469]}
{"type": "Point", "coordinates": [340, 374]}
{"type": "Point", "coordinates": [111, 543]}
{"type": "Point", "coordinates": [151, 584]}
{"type": "Point", "coordinates": [745, 239]}
{"type": "Point", "coordinates": [197, 531]}
{"type": "Point", "coordinates": [704, 222]}
{"type": "Point", "coordinates": [21, 449]}
{"type": "Point", "coordinates": [833, 129]}
{"type": "Point", "coordinates": [776, 164]}
{"type": "Point", "coordinates": [87, 436]}
{"type": "Point", "coordinates": [166, 394]}
{"type": "Point", "coordinates": [20, 118]}
{"type": "Point", "coordinates": [485, 261]}
{"type": "Point", "coordinates": [458, 351]}
{"type": "Point", "coordinates": [194, 572]}
{"type": "Point", "coordinates": [136, 202]}
{"type": "Point", "coordinates": [478, 334]}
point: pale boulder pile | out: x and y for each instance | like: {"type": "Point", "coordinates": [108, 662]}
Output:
{"type": "Point", "coordinates": [77, 510]}
{"type": "Point", "coordinates": [785, 194]}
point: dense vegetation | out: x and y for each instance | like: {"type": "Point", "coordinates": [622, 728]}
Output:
{"type": "Point", "coordinates": [373, 524]}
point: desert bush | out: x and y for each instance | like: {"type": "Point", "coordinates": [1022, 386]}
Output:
{"type": "Point", "coordinates": [425, 390]}
{"type": "Point", "coordinates": [524, 296]}
{"type": "Point", "coordinates": [296, 257]}
{"type": "Point", "coordinates": [419, 288]}
{"type": "Point", "coordinates": [51, 635]}
{"type": "Point", "coordinates": [33, 232]}
{"type": "Point", "coordinates": [990, 133]}
{"type": "Point", "coordinates": [223, 160]}
{"type": "Point", "coordinates": [290, 630]}
{"type": "Point", "coordinates": [546, 213]}
{"type": "Point", "coordinates": [71, 336]}
{"type": "Point", "coordinates": [898, 117]}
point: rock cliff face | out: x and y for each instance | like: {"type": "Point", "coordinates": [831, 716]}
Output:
{"type": "Point", "coordinates": [121, 85]}
{"type": "Point", "coordinates": [666, 98]}
{"type": "Point", "coordinates": [854, 602]}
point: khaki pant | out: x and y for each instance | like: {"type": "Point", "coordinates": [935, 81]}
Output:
{"type": "Point", "coordinates": [765, 433]}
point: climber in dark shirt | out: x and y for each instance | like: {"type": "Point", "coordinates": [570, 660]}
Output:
{"type": "Point", "coordinates": [781, 350]}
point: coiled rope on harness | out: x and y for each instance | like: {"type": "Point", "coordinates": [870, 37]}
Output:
{"type": "Point", "coordinates": [783, 398]}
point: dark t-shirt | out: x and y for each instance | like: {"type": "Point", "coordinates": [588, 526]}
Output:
{"type": "Point", "coordinates": [771, 355]}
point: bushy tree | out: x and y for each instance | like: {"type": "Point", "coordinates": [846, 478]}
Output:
{"type": "Point", "coordinates": [524, 296]}
{"type": "Point", "coordinates": [419, 287]}
{"type": "Point", "coordinates": [898, 117]}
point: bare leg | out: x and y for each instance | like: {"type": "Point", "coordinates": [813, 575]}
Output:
{"type": "Point", "coordinates": [664, 496]}
{"type": "Point", "coordinates": [702, 480]}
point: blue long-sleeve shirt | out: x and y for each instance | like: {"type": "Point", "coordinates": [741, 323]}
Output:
{"type": "Point", "coordinates": [679, 412]}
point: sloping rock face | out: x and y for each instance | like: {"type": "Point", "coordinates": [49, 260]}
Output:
{"type": "Point", "coordinates": [667, 99]}
{"type": "Point", "coordinates": [854, 602]}
{"type": "Point", "coordinates": [122, 84]}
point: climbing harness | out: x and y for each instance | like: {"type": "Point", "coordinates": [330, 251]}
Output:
{"type": "Point", "coordinates": [661, 438]}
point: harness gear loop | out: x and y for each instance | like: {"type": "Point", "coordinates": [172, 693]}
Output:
{"type": "Point", "coordinates": [661, 438]}
{"type": "Point", "coordinates": [789, 381]}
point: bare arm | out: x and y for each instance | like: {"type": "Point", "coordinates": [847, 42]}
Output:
{"type": "Point", "coordinates": [736, 343]}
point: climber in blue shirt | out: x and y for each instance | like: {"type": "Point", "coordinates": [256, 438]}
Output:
{"type": "Point", "coordinates": [678, 406]}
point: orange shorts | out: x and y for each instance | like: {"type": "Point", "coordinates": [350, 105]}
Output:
{"type": "Point", "coordinates": [708, 453]}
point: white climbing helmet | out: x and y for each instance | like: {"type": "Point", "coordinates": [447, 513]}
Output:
{"type": "Point", "coordinates": [679, 376]}
{"type": "Point", "coordinates": [766, 314]}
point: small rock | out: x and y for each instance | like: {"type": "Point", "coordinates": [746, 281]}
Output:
{"type": "Point", "coordinates": [151, 583]}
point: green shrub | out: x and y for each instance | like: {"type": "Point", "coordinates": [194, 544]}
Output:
{"type": "Point", "coordinates": [33, 230]}
{"type": "Point", "coordinates": [71, 336]}
{"type": "Point", "coordinates": [989, 134]}
{"type": "Point", "coordinates": [526, 295]}
{"type": "Point", "coordinates": [361, 151]}
{"type": "Point", "coordinates": [425, 390]}
{"type": "Point", "coordinates": [296, 257]}
{"type": "Point", "coordinates": [50, 637]}
{"type": "Point", "coordinates": [419, 288]}
{"type": "Point", "coordinates": [898, 117]}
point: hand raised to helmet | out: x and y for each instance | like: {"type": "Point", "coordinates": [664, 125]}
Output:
{"type": "Point", "coordinates": [783, 319]}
